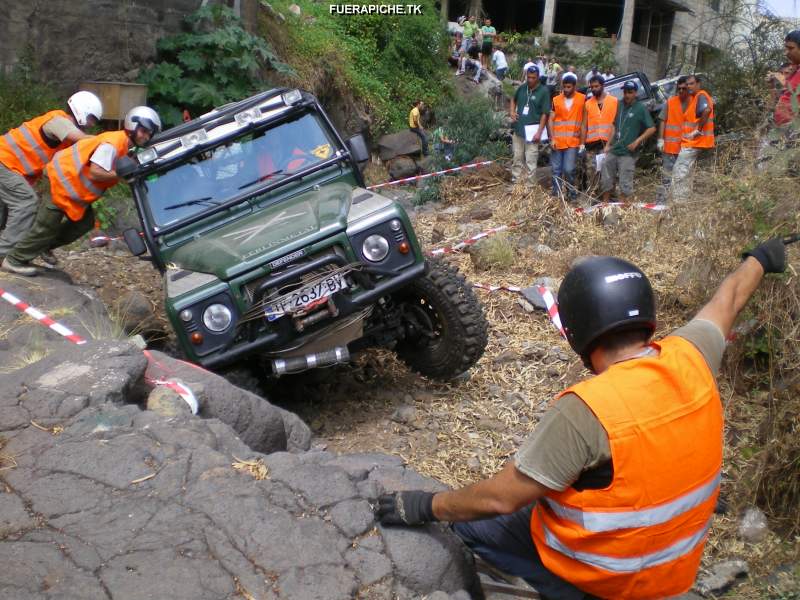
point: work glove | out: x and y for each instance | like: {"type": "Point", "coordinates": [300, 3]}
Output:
{"type": "Point", "coordinates": [660, 145]}
{"type": "Point", "coordinates": [581, 149]}
{"type": "Point", "coordinates": [771, 254]}
{"type": "Point", "coordinates": [406, 508]}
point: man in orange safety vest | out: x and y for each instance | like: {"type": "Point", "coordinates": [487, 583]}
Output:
{"type": "Point", "coordinates": [564, 129]}
{"type": "Point", "coordinates": [78, 176]}
{"type": "Point", "coordinates": [613, 493]}
{"type": "Point", "coordinates": [698, 135]}
{"type": "Point", "coordinates": [670, 132]}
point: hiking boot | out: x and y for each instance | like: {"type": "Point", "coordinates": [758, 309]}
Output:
{"type": "Point", "coordinates": [49, 259]}
{"type": "Point", "coordinates": [12, 266]}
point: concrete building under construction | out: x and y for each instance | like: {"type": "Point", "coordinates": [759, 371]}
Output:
{"type": "Point", "coordinates": [658, 37]}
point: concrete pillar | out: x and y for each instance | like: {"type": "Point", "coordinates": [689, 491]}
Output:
{"type": "Point", "coordinates": [624, 42]}
{"type": "Point", "coordinates": [548, 19]}
{"type": "Point", "coordinates": [445, 9]}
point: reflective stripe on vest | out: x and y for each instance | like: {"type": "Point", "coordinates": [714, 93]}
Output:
{"type": "Point", "coordinates": [87, 183]}
{"type": "Point", "coordinates": [598, 126]}
{"type": "Point", "coordinates": [632, 564]}
{"type": "Point", "coordinates": [73, 195]}
{"type": "Point", "coordinates": [673, 127]}
{"type": "Point", "coordinates": [12, 143]}
{"type": "Point", "coordinates": [34, 146]}
{"type": "Point", "coordinates": [610, 521]}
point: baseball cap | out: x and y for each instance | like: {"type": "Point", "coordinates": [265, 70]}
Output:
{"type": "Point", "coordinates": [533, 69]}
{"type": "Point", "coordinates": [630, 85]}
{"type": "Point", "coordinates": [569, 78]}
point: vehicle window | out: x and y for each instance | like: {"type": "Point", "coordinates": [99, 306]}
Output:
{"type": "Point", "coordinates": [229, 169]}
{"type": "Point", "coordinates": [615, 89]}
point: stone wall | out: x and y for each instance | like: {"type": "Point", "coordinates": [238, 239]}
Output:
{"type": "Point", "coordinates": [72, 41]}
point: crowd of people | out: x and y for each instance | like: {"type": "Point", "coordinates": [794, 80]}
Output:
{"type": "Point", "coordinates": [78, 168]}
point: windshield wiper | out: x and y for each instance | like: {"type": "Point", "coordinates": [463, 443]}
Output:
{"type": "Point", "coordinates": [204, 200]}
{"type": "Point", "coordinates": [263, 177]}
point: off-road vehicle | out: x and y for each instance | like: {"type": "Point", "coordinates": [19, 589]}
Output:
{"type": "Point", "coordinates": [270, 246]}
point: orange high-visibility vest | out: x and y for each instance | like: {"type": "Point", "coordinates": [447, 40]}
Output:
{"type": "Point", "coordinates": [690, 120]}
{"type": "Point", "coordinates": [673, 126]}
{"type": "Point", "coordinates": [643, 535]}
{"type": "Point", "coordinates": [599, 121]}
{"type": "Point", "coordinates": [25, 149]}
{"type": "Point", "coordinates": [566, 127]}
{"type": "Point", "coordinates": [71, 187]}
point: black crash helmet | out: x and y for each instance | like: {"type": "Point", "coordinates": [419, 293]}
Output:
{"type": "Point", "coordinates": [601, 294]}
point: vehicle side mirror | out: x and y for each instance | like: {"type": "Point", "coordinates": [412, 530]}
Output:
{"type": "Point", "coordinates": [358, 148]}
{"type": "Point", "coordinates": [126, 166]}
{"type": "Point", "coordinates": [134, 241]}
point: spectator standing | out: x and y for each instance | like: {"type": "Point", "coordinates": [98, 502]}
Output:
{"type": "Point", "coordinates": [572, 69]}
{"type": "Point", "coordinates": [564, 131]}
{"type": "Point", "coordinates": [608, 75]}
{"type": "Point", "coordinates": [598, 120]}
{"type": "Point", "coordinates": [415, 124]}
{"type": "Point", "coordinates": [633, 125]}
{"type": "Point", "coordinates": [670, 131]}
{"type": "Point", "coordinates": [528, 64]}
{"type": "Point", "coordinates": [487, 46]}
{"type": "Point", "coordinates": [499, 63]}
{"type": "Point", "coordinates": [455, 50]}
{"type": "Point", "coordinates": [443, 144]}
{"type": "Point", "coordinates": [470, 28]}
{"type": "Point", "coordinates": [24, 154]}
{"type": "Point", "coordinates": [529, 106]}
{"type": "Point", "coordinates": [777, 81]}
{"type": "Point", "coordinates": [594, 71]}
{"type": "Point", "coordinates": [784, 111]}
{"type": "Point", "coordinates": [553, 73]}
{"type": "Point", "coordinates": [698, 135]}
{"type": "Point", "coordinates": [541, 64]}
{"type": "Point", "coordinates": [78, 176]}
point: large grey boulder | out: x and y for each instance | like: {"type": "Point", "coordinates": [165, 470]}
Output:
{"type": "Point", "coordinates": [261, 425]}
{"type": "Point", "coordinates": [401, 167]}
{"type": "Point", "coordinates": [402, 143]}
{"type": "Point", "coordinates": [129, 504]}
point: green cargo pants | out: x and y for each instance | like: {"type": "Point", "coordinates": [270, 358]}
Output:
{"type": "Point", "coordinates": [51, 229]}
{"type": "Point", "coordinates": [18, 204]}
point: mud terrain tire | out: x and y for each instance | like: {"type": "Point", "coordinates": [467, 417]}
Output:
{"type": "Point", "coordinates": [445, 301]}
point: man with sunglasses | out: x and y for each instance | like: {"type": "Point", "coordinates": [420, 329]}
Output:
{"type": "Point", "coordinates": [670, 128]}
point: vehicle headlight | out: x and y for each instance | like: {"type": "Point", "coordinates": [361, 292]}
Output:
{"type": "Point", "coordinates": [217, 317]}
{"type": "Point", "coordinates": [375, 248]}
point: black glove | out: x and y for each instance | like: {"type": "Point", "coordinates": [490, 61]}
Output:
{"type": "Point", "coordinates": [406, 508]}
{"type": "Point", "coordinates": [771, 254]}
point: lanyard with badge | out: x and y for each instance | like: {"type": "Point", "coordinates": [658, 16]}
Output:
{"type": "Point", "coordinates": [620, 121]}
{"type": "Point", "coordinates": [527, 107]}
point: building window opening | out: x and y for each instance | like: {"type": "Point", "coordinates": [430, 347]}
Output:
{"type": "Point", "coordinates": [582, 18]}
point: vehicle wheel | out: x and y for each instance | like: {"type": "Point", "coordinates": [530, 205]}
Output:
{"type": "Point", "coordinates": [447, 328]}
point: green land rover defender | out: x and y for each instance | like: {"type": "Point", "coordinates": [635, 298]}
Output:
{"type": "Point", "coordinates": [270, 246]}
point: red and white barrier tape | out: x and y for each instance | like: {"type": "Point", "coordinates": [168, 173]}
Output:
{"type": "Point", "coordinates": [644, 205]}
{"type": "Point", "coordinates": [176, 386]}
{"type": "Point", "coordinates": [434, 174]}
{"type": "Point", "coordinates": [472, 240]}
{"type": "Point", "coordinates": [545, 293]}
{"type": "Point", "coordinates": [41, 317]}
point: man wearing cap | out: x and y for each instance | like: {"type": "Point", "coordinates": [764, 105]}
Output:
{"type": "Point", "coordinates": [564, 131]}
{"type": "Point", "coordinates": [698, 135]}
{"type": "Point", "coordinates": [670, 130]}
{"type": "Point", "coordinates": [632, 126]}
{"type": "Point", "coordinates": [530, 106]}
{"type": "Point", "coordinates": [613, 493]}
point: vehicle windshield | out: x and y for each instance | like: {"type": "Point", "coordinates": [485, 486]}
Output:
{"type": "Point", "coordinates": [212, 177]}
{"type": "Point", "coordinates": [615, 89]}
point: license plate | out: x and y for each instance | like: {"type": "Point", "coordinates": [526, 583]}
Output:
{"type": "Point", "coordinates": [305, 297]}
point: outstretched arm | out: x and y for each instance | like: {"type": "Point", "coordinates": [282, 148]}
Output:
{"type": "Point", "coordinates": [736, 289]}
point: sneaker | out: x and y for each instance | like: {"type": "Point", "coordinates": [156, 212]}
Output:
{"type": "Point", "coordinates": [12, 266]}
{"type": "Point", "coordinates": [49, 258]}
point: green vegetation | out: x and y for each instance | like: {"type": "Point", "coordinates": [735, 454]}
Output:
{"type": "Point", "coordinates": [601, 54]}
{"type": "Point", "coordinates": [215, 62]}
{"type": "Point", "coordinates": [473, 124]}
{"type": "Point", "coordinates": [23, 96]}
{"type": "Point", "coordinates": [384, 61]}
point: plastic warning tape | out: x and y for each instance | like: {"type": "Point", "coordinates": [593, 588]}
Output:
{"type": "Point", "coordinates": [643, 205]}
{"type": "Point", "coordinates": [472, 240]}
{"type": "Point", "coordinates": [545, 293]}
{"type": "Point", "coordinates": [41, 317]}
{"type": "Point", "coordinates": [434, 174]}
{"type": "Point", "coordinates": [182, 390]}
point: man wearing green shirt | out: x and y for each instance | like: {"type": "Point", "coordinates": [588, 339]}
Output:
{"type": "Point", "coordinates": [470, 27]}
{"type": "Point", "coordinates": [529, 106]}
{"type": "Point", "coordinates": [487, 47]}
{"type": "Point", "coordinates": [632, 126]}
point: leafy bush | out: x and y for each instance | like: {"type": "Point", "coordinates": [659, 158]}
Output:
{"type": "Point", "coordinates": [386, 61]}
{"type": "Point", "coordinates": [23, 96]}
{"type": "Point", "coordinates": [215, 62]}
{"type": "Point", "coordinates": [472, 122]}
{"type": "Point", "coordinates": [429, 191]}
{"type": "Point", "coordinates": [601, 54]}
{"type": "Point", "coordinates": [557, 46]}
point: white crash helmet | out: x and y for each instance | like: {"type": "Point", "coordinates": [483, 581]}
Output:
{"type": "Point", "coordinates": [142, 116]}
{"type": "Point", "coordinates": [84, 105]}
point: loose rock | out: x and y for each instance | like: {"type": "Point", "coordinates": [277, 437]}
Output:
{"type": "Point", "coordinates": [753, 526]}
{"type": "Point", "coordinates": [721, 576]}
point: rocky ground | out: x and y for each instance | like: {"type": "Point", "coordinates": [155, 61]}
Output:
{"type": "Point", "coordinates": [375, 408]}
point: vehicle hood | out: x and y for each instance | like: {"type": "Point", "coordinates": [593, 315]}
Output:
{"type": "Point", "coordinates": [267, 233]}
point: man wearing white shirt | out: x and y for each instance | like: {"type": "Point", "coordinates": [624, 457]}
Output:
{"type": "Point", "coordinates": [499, 63]}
